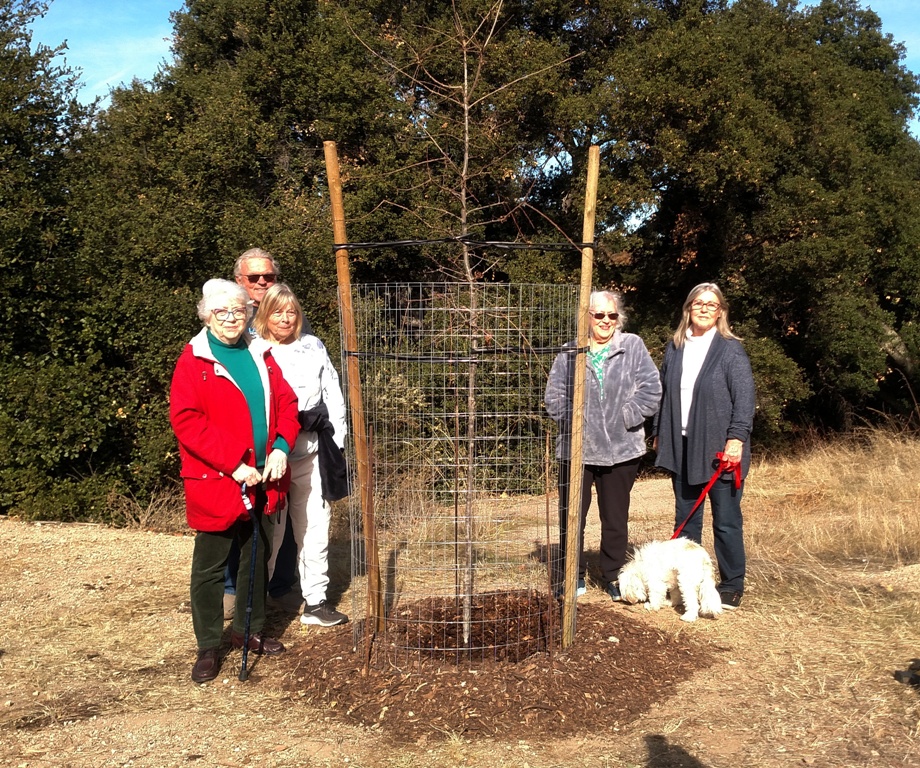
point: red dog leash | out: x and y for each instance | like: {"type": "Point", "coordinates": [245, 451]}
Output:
{"type": "Point", "coordinates": [725, 465]}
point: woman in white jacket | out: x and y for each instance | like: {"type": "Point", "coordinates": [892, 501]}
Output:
{"type": "Point", "coordinates": [306, 366]}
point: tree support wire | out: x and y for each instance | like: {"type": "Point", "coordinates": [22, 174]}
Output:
{"type": "Point", "coordinates": [468, 242]}
{"type": "Point", "coordinates": [454, 375]}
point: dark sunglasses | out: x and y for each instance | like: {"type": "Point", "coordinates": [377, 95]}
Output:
{"type": "Point", "coordinates": [602, 315]}
{"type": "Point", "coordinates": [270, 277]}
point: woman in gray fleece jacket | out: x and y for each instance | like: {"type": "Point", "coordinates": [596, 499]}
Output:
{"type": "Point", "coordinates": [622, 389]}
{"type": "Point", "coordinates": [708, 408]}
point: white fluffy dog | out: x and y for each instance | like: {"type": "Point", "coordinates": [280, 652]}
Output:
{"type": "Point", "coordinates": [678, 566]}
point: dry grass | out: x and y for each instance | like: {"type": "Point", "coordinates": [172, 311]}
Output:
{"type": "Point", "coordinates": [836, 530]}
{"type": "Point", "coordinates": [833, 540]}
{"type": "Point", "coordinates": [98, 644]}
{"type": "Point", "coordinates": [854, 501]}
{"type": "Point", "coordinates": [165, 512]}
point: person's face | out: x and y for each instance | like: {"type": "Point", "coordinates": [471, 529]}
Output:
{"type": "Point", "coordinates": [280, 324]}
{"type": "Point", "coordinates": [603, 319]}
{"type": "Point", "coordinates": [705, 310]}
{"type": "Point", "coordinates": [256, 276]}
{"type": "Point", "coordinates": [232, 326]}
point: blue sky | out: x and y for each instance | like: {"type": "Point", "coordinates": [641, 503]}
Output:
{"type": "Point", "coordinates": [114, 41]}
{"type": "Point", "coordinates": [110, 41]}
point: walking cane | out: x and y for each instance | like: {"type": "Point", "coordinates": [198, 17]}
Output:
{"type": "Point", "coordinates": [244, 673]}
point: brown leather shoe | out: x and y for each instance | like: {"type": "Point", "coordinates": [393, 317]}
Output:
{"type": "Point", "coordinates": [257, 644]}
{"type": "Point", "coordinates": [207, 666]}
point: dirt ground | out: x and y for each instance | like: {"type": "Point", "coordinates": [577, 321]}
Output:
{"type": "Point", "coordinates": [96, 647]}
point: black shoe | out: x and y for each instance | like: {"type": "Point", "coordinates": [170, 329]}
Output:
{"type": "Point", "coordinates": [322, 614]}
{"type": "Point", "coordinates": [207, 665]}
{"type": "Point", "coordinates": [613, 589]}
{"type": "Point", "coordinates": [730, 600]}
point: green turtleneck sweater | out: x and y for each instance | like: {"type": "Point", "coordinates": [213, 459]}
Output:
{"type": "Point", "coordinates": [243, 370]}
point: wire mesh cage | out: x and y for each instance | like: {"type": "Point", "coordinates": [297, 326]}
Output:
{"type": "Point", "coordinates": [461, 466]}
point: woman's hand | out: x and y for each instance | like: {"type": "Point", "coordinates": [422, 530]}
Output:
{"type": "Point", "coordinates": [246, 474]}
{"type": "Point", "coordinates": [732, 450]}
{"type": "Point", "coordinates": [275, 465]}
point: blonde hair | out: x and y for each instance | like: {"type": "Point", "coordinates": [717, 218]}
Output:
{"type": "Point", "coordinates": [680, 335]}
{"type": "Point", "coordinates": [276, 298]}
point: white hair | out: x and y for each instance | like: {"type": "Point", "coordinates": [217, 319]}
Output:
{"type": "Point", "coordinates": [254, 253]}
{"type": "Point", "coordinates": [617, 300]}
{"type": "Point", "coordinates": [217, 293]}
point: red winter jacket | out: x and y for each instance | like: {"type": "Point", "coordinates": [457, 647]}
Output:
{"type": "Point", "coordinates": [211, 420]}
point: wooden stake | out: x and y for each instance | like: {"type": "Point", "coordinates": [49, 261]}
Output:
{"type": "Point", "coordinates": [550, 562]}
{"type": "Point", "coordinates": [355, 400]}
{"type": "Point", "coordinates": [576, 470]}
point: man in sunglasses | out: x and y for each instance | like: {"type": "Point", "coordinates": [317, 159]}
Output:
{"type": "Point", "coordinates": [257, 271]}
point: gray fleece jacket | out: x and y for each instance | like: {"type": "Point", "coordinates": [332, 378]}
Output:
{"type": "Point", "coordinates": [722, 407]}
{"type": "Point", "coordinates": [613, 426]}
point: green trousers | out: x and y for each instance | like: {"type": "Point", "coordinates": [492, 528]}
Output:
{"type": "Point", "coordinates": [209, 560]}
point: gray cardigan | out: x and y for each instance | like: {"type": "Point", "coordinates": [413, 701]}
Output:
{"type": "Point", "coordinates": [722, 408]}
{"type": "Point", "coordinates": [613, 427]}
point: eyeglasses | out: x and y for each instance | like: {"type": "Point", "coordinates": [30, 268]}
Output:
{"type": "Point", "coordinates": [712, 306]}
{"type": "Point", "coordinates": [269, 277]}
{"type": "Point", "coordinates": [602, 315]}
{"type": "Point", "coordinates": [225, 314]}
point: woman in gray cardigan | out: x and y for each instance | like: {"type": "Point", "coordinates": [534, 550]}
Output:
{"type": "Point", "coordinates": [622, 389]}
{"type": "Point", "coordinates": [707, 407]}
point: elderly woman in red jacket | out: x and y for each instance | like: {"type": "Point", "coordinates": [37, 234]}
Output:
{"type": "Point", "coordinates": [236, 419]}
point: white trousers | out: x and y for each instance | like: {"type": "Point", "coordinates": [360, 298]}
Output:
{"type": "Point", "coordinates": [310, 516]}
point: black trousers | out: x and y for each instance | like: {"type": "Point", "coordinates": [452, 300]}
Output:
{"type": "Point", "coordinates": [209, 559]}
{"type": "Point", "coordinates": [614, 485]}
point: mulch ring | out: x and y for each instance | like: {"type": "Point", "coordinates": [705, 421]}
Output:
{"type": "Point", "coordinates": [616, 669]}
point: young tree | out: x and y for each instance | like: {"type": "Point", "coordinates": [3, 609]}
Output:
{"type": "Point", "coordinates": [467, 74]}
